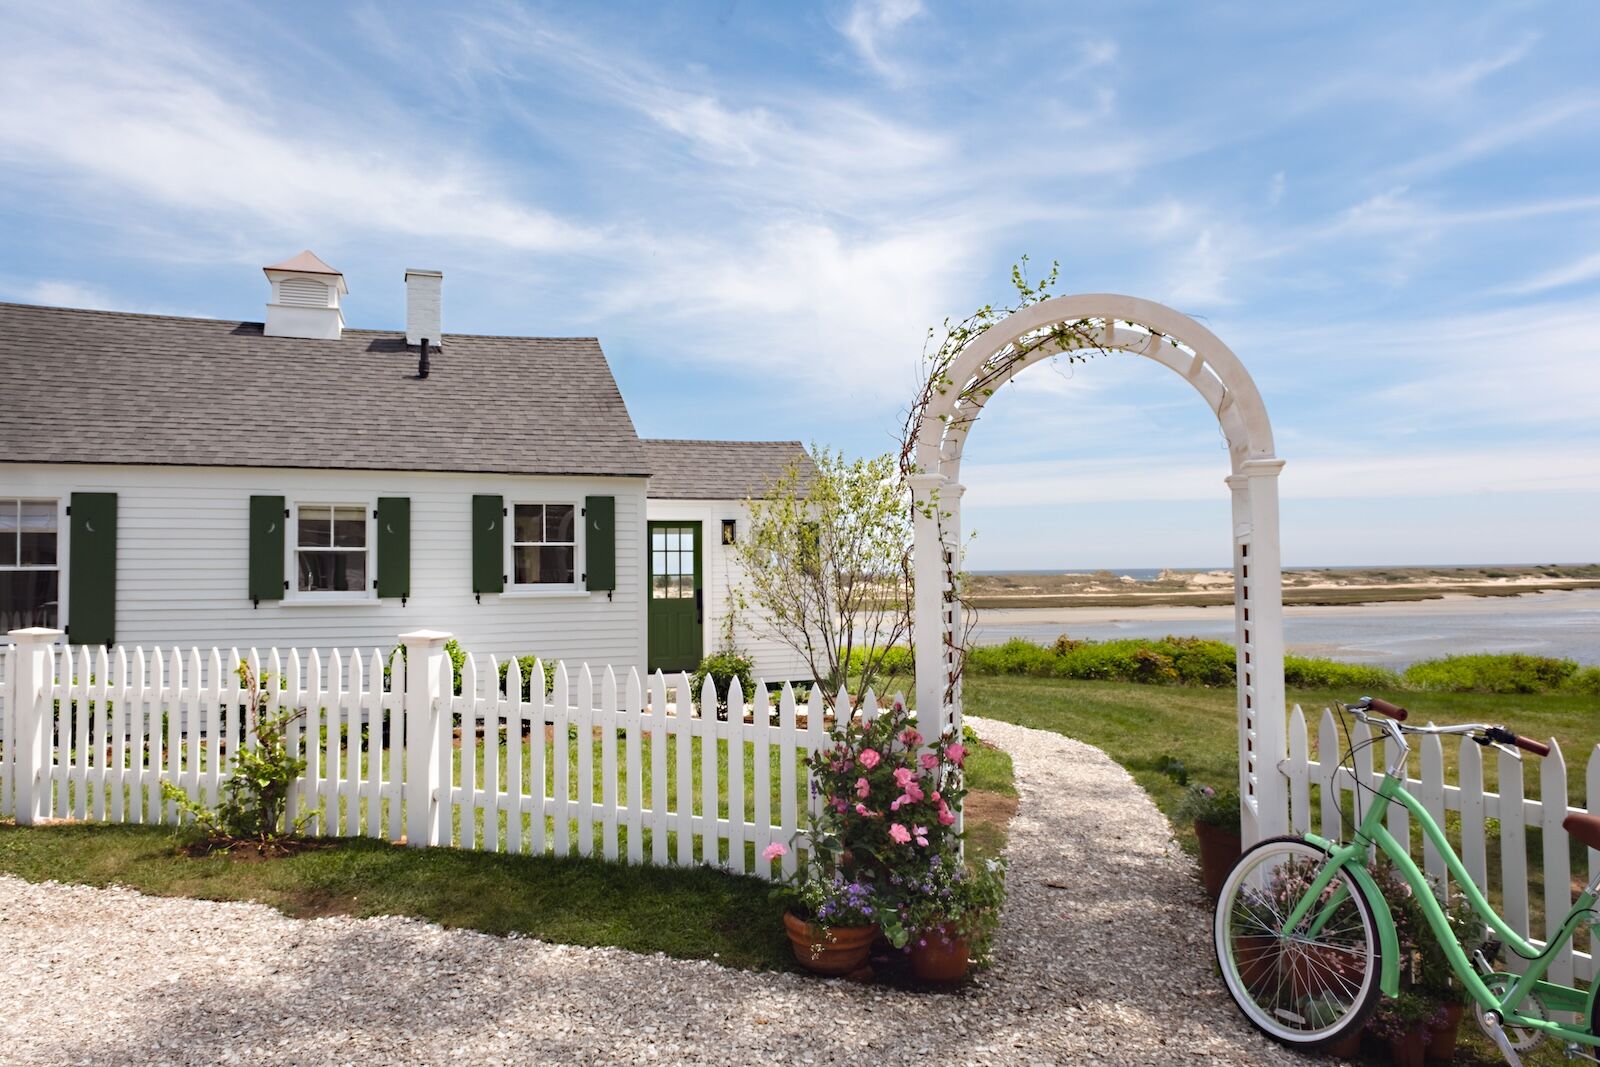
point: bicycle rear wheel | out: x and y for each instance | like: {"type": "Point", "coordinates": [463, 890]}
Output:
{"type": "Point", "coordinates": [1308, 986]}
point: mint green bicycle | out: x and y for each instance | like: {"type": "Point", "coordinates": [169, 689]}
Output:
{"type": "Point", "coordinates": [1306, 942]}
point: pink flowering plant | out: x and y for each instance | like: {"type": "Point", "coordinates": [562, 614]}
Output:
{"type": "Point", "coordinates": [889, 795]}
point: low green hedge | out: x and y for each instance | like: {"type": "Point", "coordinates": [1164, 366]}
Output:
{"type": "Point", "coordinates": [1202, 662]}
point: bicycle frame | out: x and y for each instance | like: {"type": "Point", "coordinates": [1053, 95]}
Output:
{"type": "Point", "coordinates": [1372, 832]}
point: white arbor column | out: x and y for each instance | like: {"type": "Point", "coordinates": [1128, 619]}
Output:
{"type": "Point", "coordinates": [1258, 622]}
{"type": "Point", "coordinates": [33, 715]}
{"type": "Point", "coordinates": [951, 618]}
{"type": "Point", "coordinates": [927, 634]}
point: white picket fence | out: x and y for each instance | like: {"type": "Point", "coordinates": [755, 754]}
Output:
{"type": "Point", "coordinates": [1476, 844]}
{"type": "Point", "coordinates": [614, 766]}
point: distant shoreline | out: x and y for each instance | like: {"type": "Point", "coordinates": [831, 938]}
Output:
{"type": "Point", "coordinates": [1323, 587]}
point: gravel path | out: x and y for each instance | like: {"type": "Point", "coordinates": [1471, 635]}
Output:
{"type": "Point", "coordinates": [1104, 958]}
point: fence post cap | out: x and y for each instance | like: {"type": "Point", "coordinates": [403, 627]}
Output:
{"type": "Point", "coordinates": [418, 637]}
{"type": "Point", "coordinates": [34, 633]}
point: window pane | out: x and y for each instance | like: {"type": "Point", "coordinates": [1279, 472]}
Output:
{"type": "Point", "coordinates": [529, 523]}
{"type": "Point", "coordinates": [658, 539]}
{"type": "Point", "coordinates": [536, 565]}
{"type": "Point", "coordinates": [558, 520]}
{"type": "Point", "coordinates": [524, 565]}
{"type": "Point", "coordinates": [8, 534]}
{"type": "Point", "coordinates": [350, 527]}
{"type": "Point", "coordinates": [38, 538]}
{"type": "Point", "coordinates": [28, 598]}
{"type": "Point", "coordinates": [316, 527]}
{"type": "Point", "coordinates": [326, 572]}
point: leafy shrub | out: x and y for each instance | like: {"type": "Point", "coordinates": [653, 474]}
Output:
{"type": "Point", "coordinates": [722, 668]}
{"type": "Point", "coordinates": [1585, 680]}
{"type": "Point", "coordinates": [529, 666]}
{"type": "Point", "coordinates": [1485, 673]}
{"type": "Point", "coordinates": [452, 648]}
{"type": "Point", "coordinates": [893, 660]}
{"type": "Point", "coordinates": [1304, 672]}
{"type": "Point", "coordinates": [1214, 807]}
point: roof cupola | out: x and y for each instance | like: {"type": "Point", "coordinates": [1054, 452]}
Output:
{"type": "Point", "coordinates": [305, 299]}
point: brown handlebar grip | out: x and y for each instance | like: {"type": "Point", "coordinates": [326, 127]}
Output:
{"type": "Point", "coordinates": [1394, 711]}
{"type": "Point", "coordinates": [1528, 744]}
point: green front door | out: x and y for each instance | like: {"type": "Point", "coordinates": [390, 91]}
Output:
{"type": "Point", "coordinates": [677, 602]}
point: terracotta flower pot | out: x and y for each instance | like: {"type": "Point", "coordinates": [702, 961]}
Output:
{"type": "Point", "coordinates": [1219, 851]}
{"type": "Point", "coordinates": [938, 956]}
{"type": "Point", "coordinates": [1442, 1041]}
{"type": "Point", "coordinates": [1309, 969]}
{"type": "Point", "coordinates": [1409, 1050]}
{"type": "Point", "coordinates": [831, 950]}
{"type": "Point", "coordinates": [1345, 1049]}
{"type": "Point", "coordinates": [1256, 956]}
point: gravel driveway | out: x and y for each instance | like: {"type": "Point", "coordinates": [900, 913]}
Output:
{"type": "Point", "coordinates": [1104, 958]}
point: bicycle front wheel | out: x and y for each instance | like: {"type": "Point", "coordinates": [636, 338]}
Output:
{"type": "Point", "coordinates": [1311, 984]}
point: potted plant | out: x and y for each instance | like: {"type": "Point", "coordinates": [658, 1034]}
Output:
{"type": "Point", "coordinates": [946, 917]}
{"type": "Point", "coordinates": [831, 919]}
{"type": "Point", "coordinates": [1403, 1023]}
{"type": "Point", "coordinates": [1426, 971]}
{"type": "Point", "coordinates": [1215, 815]}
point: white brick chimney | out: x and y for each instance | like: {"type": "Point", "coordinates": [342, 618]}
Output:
{"type": "Point", "coordinates": [424, 307]}
{"type": "Point", "coordinates": [305, 299]}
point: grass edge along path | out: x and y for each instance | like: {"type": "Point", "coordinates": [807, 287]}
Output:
{"type": "Point", "coordinates": [684, 912]}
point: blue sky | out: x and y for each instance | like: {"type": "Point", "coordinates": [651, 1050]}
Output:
{"type": "Point", "coordinates": [1391, 213]}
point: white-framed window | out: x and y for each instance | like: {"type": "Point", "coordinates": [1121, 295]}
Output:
{"type": "Point", "coordinates": [30, 563]}
{"type": "Point", "coordinates": [332, 551]}
{"type": "Point", "coordinates": [544, 546]}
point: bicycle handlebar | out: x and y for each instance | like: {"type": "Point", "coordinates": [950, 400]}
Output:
{"type": "Point", "coordinates": [1527, 744]}
{"type": "Point", "coordinates": [1394, 711]}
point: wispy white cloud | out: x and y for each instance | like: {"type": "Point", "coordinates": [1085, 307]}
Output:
{"type": "Point", "coordinates": [1584, 269]}
{"type": "Point", "coordinates": [68, 294]}
{"type": "Point", "coordinates": [869, 23]}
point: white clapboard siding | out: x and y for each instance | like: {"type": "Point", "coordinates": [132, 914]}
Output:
{"type": "Point", "coordinates": [1481, 851]}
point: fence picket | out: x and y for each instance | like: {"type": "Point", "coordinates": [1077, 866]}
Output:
{"type": "Point", "coordinates": [1431, 794]}
{"type": "Point", "coordinates": [1557, 890]}
{"type": "Point", "coordinates": [786, 768]}
{"type": "Point", "coordinates": [514, 719]}
{"type": "Point", "coordinates": [1298, 772]}
{"type": "Point", "coordinates": [635, 699]}
{"type": "Point", "coordinates": [174, 717]}
{"type": "Point", "coordinates": [683, 749]}
{"type": "Point", "coordinates": [761, 760]}
{"type": "Point", "coordinates": [79, 696]}
{"type": "Point", "coordinates": [561, 774]}
{"type": "Point", "coordinates": [608, 764]}
{"type": "Point", "coordinates": [316, 799]}
{"type": "Point", "coordinates": [656, 730]}
{"type": "Point", "coordinates": [494, 752]}
{"type": "Point", "coordinates": [214, 726]}
{"type": "Point", "coordinates": [374, 715]}
{"type": "Point", "coordinates": [1329, 749]}
{"type": "Point", "coordinates": [394, 782]}
{"type": "Point", "coordinates": [583, 722]}
{"type": "Point", "coordinates": [100, 729]}
{"type": "Point", "coordinates": [736, 737]}
{"type": "Point", "coordinates": [1469, 771]}
{"type": "Point", "coordinates": [352, 749]}
{"type": "Point", "coordinates": [710, 783]}
{"type": "Point", "coordinates": [1513, 843]}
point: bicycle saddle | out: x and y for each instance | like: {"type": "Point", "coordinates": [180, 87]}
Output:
{"type": "Point", "coordinates": [1585, 828]}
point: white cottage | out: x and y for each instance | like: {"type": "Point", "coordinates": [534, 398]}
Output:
{"type": "Point", "coordinates": [180, 481]}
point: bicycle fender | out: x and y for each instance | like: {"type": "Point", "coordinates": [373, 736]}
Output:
{"type": "Point", "coordinates": [1388, 940]}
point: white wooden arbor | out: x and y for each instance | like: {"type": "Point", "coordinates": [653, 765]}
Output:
{"type": "Point", "coordinates": [1140, 327]}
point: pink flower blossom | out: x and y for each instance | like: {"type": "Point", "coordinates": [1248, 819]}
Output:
{"type": "Point", "coordinates": [863, 788]}
{"type": "Point", "coordinates": [936, 798]}
{"type": "Point", "coordinates": [946, 816]}
{"type": "Point", "coordinates": [897, 802]}
{"type": "Point", "coordinates": [839, 805]}
{"type": "Point", "coordinates": [867, 813]}
{"type": "Point", "coordinates": [773, 851]}
{"type": "Point", "coordinates": [899, 833]}
{"type": "Point", "coordinates": [929, 761]}
{"type": "Point", "coordinates": [957, 753]}
{"type": "Point", "coordinates": [904, 776]}
{"type": "Point", "coordinates": [914, 792]}
{"type": "Point", "coordinates": [921, 834]}
{"type": "Point", "coordinates": [910, 738]}
{"type": "Point", "coordinates": [870, 758]}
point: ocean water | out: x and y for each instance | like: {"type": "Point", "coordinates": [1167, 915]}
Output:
{"type": "Point", "coordinates": [1566, 625]}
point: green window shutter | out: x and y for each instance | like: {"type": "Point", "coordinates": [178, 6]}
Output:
{"type": "Point", "coordinates": [394, 546]}
{"type": "Point", "coordinates": [488, 544]}
{"type": "Point", "coordinates": [92, 569]}
{"type": "Point", "coordinates": [267, 521]}
{"type": "Point", "coordinates": [600, 542]}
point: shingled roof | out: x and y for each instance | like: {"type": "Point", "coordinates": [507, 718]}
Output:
{"type": "Point", "coordinates": [112, 387]}
{"type": "Point", "coordinates": [720, 470]}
